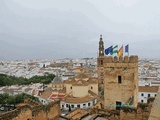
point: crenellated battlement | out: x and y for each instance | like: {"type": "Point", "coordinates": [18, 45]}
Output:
{"type": "Point", "coordinates": [125, 59]}
{"type": "Point", "coordinates": [34, 107]}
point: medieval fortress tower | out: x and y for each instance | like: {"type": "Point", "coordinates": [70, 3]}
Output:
{"type": "Point", "coordinates": [118, 77]}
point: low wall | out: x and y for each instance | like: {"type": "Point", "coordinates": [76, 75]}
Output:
{"type": "Point", "coordinates": [39, 112]}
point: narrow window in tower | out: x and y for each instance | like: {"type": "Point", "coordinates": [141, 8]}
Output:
{"type": "Point", "coordinates": [101, 62]}
{"type": "Point", "coordinates": [119, 79]}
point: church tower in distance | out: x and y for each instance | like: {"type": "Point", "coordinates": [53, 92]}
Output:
{"type": "Point", "coordinates": [100, 60]}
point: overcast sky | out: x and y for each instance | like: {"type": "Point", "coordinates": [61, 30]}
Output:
{"type": "Point", "coordinates": [35, 29]}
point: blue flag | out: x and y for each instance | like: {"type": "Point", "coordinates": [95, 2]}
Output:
{"type": "Point", "coordinates": [108, 50]}
{"type": "Point", "coordinates": [126, 48]}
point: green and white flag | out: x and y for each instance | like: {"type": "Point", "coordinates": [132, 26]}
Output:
{"type": "Point", "coordinates": [114, 50]}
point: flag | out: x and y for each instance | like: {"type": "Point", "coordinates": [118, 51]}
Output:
{"type": "Point", "coordinates": [126, 48]}
{"type": "Point", "coordinates": [108, 50]}
{"type": "Point", "coordinates": [114, 50]}
{"type": "Point", "coordinates": [120, 52]}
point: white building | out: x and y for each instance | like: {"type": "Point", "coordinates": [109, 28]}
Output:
{"type": "Point", "coordinates": [145, 92]}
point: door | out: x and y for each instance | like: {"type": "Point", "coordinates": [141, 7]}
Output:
{"type": "Point", "coordinates": [118, 105]}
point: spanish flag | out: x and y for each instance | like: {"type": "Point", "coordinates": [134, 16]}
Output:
{"type": "Point", "coordinates": [120, 52]}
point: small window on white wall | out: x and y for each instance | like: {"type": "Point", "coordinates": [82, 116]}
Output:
{"type": "Point", "coordinates": [142, 101]}
{"type": "Point", "coordinates": [142, 94]}
{"type": "Point", "coordinates": [89, 104]}
{"type": "Point", "coordinates": [72, 106]}
{"type": "Point", "coordinates": [84, 105]}
{"type": "Point", "coordinates": [67, 105]}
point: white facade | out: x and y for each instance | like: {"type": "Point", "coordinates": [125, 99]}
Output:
{"type": "Point", "coordinates": [88, 104]}
{"type": "Point", "coordinates": [143, 96]}
{"type": "Point", "coordinates": [42, 100]}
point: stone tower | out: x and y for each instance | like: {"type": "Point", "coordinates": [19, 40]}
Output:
{"type": "Point", "coordinates": [100, 63]}
{"type": "Point", "coordinates": [120, 81]}
{"type": "Point", "coordinates": [118, 77]}
{"type": "Point", "coordinates": [101, 47]}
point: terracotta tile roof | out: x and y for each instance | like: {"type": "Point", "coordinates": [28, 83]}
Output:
{"type": "Point", "coordinates": [56, 96]}
{"type": "Point", "coordinates": [148, 88]}
{"type": "Point", "coordinates": [80, 83]}
{"type": "Point", "coordinates": [77, 113]}
{"type": "Point", "coordinates": [46, 94]}
{"type": "Point", "coordinates": [93, 81]}
{"type": "Point", "coordinates": [70, 81]}
{"type": "Point", "coordinates": [155, 82]}
{"type": "Point", "coordinates": [82, 76]}
{"type": "Point", "coordinates": [76, 116]}
{"type": "Point", "coordinates": [90, 97]}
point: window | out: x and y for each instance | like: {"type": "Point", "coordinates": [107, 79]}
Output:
{"type": "Point", "coordinates": [155, 95]}
{"type": "Point", "coordinates": [118, 105]}
{"type": "Point", "coordinates": [101, 62]}
{"type": "Point", "coordinates": [62, 106]}
{"type": "Point", "coordinates": [142, 94]}
{"type": "Point", "coordinates": [89, 104]}
{"type": "Point", "coordinates": [119, 79]}
{"type": "Point", "coordinates": [91, 87]}
{"type": "Point", "coordinates": [67, 105]}
{"type": "Point", "coordinates": [84, 105]}
{"type": "Point", "coordinates": [142, 101]}
{"type": "Point", "coordinates": [149, 95]}
{"type": "Point", "coordinates": [78, 106]}
{"type": "Point", "coordinates": [72, 106]}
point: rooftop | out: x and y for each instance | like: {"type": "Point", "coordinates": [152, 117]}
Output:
{"type": "Point", "coordinates": [148, 88]}
{"type": "Point", "coordinates": [90, 97]}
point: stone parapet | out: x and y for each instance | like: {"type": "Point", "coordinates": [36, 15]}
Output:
{"type": "Point", "coordinates": [125, 59]}
{"type": "Point", "coordinates": [25, 111]}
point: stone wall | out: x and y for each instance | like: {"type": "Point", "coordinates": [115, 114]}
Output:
{"type": "Point", "coordinates": [155, 111]}
{"type": "Point", "coordinates": [141, 113]}
{"type": "Point", "coordinates": [39, 112]}
{"type": "Point", "coordinates": [115, 91]}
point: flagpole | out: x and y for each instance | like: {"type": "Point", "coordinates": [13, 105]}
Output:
{"type": "Point", "coordinates": [128, 50]}
{"type": "Point", "coordinates": [122, 51]}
